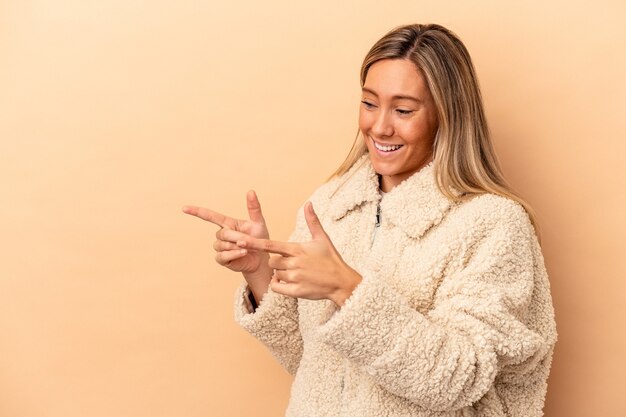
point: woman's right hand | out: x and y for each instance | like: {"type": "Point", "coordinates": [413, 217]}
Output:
{"type": "Point", "coordinates": [251, 263]}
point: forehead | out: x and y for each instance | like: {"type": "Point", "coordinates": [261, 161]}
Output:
{"type": "Point", "coordinates": [395, 77]}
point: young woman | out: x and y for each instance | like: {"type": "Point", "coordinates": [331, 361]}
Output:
{"type": "Point", "coordinates": [413, 284]}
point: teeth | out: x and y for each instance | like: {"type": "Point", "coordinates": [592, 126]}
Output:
{"type": "Point", "coordinates": [387, 148]}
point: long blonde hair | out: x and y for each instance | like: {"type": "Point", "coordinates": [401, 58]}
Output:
{"type": "Point", "coordinates": [464, 157]}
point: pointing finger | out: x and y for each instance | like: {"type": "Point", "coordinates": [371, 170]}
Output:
{"type": "Point", "coordinates": [270, 246]}
{"type": "Point", "coordinates": [207, 214]}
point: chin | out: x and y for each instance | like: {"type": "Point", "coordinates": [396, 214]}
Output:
{"type": "Point", "coordinates": [384, 168]}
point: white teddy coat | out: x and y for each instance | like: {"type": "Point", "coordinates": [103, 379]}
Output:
{"type": "Point", "coordinates": [453, 317]}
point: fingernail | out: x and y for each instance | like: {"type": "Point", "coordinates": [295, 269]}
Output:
{"type": "Point", "coordinates": [243, 251]}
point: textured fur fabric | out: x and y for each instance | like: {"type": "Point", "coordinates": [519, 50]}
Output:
{"type": "Point", "coordinates": [453, 317]}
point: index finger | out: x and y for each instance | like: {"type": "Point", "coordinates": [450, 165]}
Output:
{"type": "Point", "coordinates": [270, 246]}
{"type": "Point", "coordinates": [206, 214]}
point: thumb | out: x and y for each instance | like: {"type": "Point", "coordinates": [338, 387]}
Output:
{"type": "Point", "coordinates": [315, 226]}
{"type": "Point", "coordinates": [254, 207]}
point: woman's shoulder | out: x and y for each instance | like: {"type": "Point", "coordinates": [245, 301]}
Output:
{"type": "Point", "coordinates": [492, 211]}
{"type": "Point", "coordinates": [494, 205]}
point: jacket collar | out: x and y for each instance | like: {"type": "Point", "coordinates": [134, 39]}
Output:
{"type": "Point", "coordinates": [415, 205]}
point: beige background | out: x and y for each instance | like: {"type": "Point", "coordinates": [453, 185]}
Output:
{"type": "Point", "coordinates": [114, 114]}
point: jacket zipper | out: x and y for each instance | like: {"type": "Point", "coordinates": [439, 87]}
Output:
{"type": "Point", "coordinates": [377, 224]}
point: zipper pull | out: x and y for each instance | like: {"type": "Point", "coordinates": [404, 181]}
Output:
{"type": "Point", "coordinates": [378, 215]}
{"type": "Point", "coordinates": [377, 225]}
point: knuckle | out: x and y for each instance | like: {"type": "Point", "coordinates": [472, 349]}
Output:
{"type": "Point", "coordinates": [218, 258]}
{"type": "Point", "coordinates": [292, 276]}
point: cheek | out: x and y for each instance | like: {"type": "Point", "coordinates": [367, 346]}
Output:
{"type": "Point", "coordinates": [418, 132]}
{"type": "Point", "coordinates": [433, 125]}
{"type": "Point", "coordinates": [364, 120]}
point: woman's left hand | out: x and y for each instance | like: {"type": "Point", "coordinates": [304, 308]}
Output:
{"type": "Point", "coordinates": [312, 270]}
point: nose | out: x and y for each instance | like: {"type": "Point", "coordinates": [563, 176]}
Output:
{"type": "Point", "coordinates": [382, 125]}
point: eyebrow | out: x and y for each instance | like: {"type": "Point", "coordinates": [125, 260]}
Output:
{"type": "Point", "coordinates": [396, 97]}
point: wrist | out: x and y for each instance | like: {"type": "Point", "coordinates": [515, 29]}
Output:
{"type": "Point", "coordinates": [263, 273]}
{"type": "Point", "coordinates": [258, 282]}
{"type": "Point", "coordinates": [353, 279]}
{"type": "Point", "coordinates": [259, 275]}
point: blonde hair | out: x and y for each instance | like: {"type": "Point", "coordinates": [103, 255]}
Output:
{"type": "Point", "coordinates": [463, 155]}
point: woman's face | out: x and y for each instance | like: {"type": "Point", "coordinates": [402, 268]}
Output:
{"type": "Point", "coordinates": [398, 120]}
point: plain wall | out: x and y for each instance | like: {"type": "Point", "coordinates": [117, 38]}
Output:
{"type": "Point", "coordinates": [114, 114]}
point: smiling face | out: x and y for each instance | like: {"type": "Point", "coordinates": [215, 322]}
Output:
{"type": "Point", "coordinates": [398, 120]}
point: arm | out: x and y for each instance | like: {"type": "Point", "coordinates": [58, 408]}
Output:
{"type": "Point", "coordinates": [450, 357]}
{"type": "Point", "coordinates": [275, 321]}
{"type": "Point", "coordinates": [275, 324]}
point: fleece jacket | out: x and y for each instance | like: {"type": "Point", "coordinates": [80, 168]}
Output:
{"type": "Point", "coordinates": [453, 316]}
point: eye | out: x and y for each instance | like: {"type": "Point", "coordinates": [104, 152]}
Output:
{"type": "Point", "coordinates": [368, 105]}
{"type": "Point", "coordinates": [404, 112]}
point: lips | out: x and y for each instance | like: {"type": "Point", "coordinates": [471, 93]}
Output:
{"type": "Point", "coordinates": [386, 148]}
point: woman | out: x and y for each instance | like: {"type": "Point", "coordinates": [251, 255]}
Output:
{"type": "Point", "coordinates": [413, 284]}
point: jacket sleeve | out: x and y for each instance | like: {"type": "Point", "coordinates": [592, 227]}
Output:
{"type": "Point", "coordinates": [275, 321]}
{"type": "Point", "coordinates": [449, 357]}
